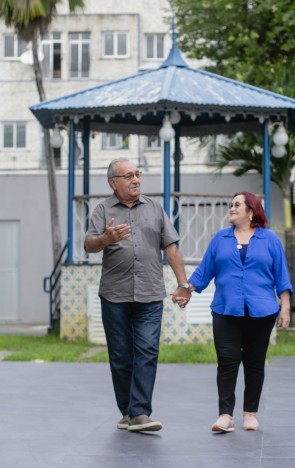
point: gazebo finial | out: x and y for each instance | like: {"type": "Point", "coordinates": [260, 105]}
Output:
{"type": "Point", "coordinates": [174, 58]}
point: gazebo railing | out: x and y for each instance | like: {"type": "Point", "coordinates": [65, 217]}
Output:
{"type": "Point", "coordinates": [196, 216]}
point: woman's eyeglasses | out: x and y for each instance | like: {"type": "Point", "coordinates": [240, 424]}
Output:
{"type": "Point", "coordinates": [236, 205]}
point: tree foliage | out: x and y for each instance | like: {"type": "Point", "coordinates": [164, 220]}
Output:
{"type": "Point", "coordinates": [245, 152]}
{"type": "Point", "coordinates": [32, 16]}
{"type": "Point", "coordinates": [252, 41]}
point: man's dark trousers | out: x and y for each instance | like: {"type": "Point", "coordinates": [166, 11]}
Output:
{"type": "Point", "coordinates": [133, 333]}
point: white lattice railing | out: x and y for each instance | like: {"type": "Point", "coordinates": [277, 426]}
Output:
{"type": "Point", "coordinates": [198, 218]}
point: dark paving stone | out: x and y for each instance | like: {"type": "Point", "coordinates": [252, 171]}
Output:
{"type": "Point", "coordinates": [278, 463]}
{"type": "Point", "coordinates": [64, 416]}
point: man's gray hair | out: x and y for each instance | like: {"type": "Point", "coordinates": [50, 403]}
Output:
{"type": "Point", "coordinates": [112, 171]}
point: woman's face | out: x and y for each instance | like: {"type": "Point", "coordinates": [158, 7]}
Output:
{"type": "Point", "coordinates": [238, 211]}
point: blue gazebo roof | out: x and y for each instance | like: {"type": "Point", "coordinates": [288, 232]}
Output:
{"type": "Point", "coordinates": [208, 103]}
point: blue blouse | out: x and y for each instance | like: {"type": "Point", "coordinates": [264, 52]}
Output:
{"type": "Point", "coordinates": [253, 284]}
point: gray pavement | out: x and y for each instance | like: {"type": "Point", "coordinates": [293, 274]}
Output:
{"type": "Point", "coordinates": [64, 416]}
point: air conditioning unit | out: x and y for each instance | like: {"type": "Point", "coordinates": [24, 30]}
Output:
{"type": "Point", "coordinates": [96, 332]}
{"type": "Point", "coordinates": [198, 309]}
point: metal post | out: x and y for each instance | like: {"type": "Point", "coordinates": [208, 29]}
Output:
{"type": "Point", "coordinates": [266, 170]}
{"type": "Point", "coordinates": [167, 179]}
{"type": "Point", "coordinates": [167, 183]}
{"type": "Point", "coordinates": [71, 189]}
{"type": "Point", "coordinates": [86, 134]}
{"type": "Point", "coordinates": [86, 153]}
{"type": "Point", "coordinates": [176, 177]}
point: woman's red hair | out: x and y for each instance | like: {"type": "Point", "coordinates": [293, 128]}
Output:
{"type": "Point", "coordinates": [253, 203]}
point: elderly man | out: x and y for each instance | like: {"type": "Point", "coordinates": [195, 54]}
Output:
{"type": "Point", "coordinates": [132, 230]}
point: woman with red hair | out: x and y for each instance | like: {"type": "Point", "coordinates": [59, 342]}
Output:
{"type": "Point", "coordinates": [250, 271]}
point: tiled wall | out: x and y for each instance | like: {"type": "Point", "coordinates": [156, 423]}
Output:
{"type": "Point", "coordinates": [74, 282]}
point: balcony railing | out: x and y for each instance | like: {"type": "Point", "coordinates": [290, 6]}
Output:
{"type": "Point", "coordinates": [197, 217]}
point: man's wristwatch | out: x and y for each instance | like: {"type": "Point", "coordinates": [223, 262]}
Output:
{"type": "Point", "coordinates": [184, 285]}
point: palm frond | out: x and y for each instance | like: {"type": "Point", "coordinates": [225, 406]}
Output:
{"type": "Point", "coordinates": [245, 152]}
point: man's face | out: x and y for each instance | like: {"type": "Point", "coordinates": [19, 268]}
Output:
{"type": "Point", "coordinates": [127, 183]}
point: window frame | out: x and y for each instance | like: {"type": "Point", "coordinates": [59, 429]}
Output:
{"type": "Point", "coordinates": [115, 41]}
{"type": "Point", "coordinates": [120, 138]}
{"type": "Point", "coordinates": [155, 46]}
{"type": "Point", "coordinates": [14, 135]}
{"type": "Point", "coordinates": [16, 45]}
{"type": "Point", "coordinates": [51, 42]}
{"type": "Point", "coordinates": [152, 148]}
{"type": "Point", "coordinates": [80, 42]}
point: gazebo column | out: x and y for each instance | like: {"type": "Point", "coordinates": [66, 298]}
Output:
{"type": "Point", "coordinates": [167, 177]}
{"type": "Point", "coordinates": [176, 174]}
{"type": "Point", "coordinates": [86, 154]}
{"type": "Point", "coordinates": [71, 190]}
{"type": "Point", "coordinates": [167, 183]}
{"type": "Point", "coordinates": [266, 169]}
{"type": "Point", "coordinates": [86, 135]}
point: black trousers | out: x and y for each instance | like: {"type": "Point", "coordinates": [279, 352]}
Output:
{"type": "Point", "coordinates": [241, 339]}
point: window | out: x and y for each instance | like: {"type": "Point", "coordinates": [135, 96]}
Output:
{"type": "Point", "coordinates": [13, 46]}
{"type": "Point", "coordinates": [115, 44]}
{"type": "Point", "coordinates": [114, 141]}
{"type": "Point", "coordinates": [152, 142]}
{"type": "Point", "coordinates": [79, 54]}
{"type": "Point", "coordinates": [155, 46]}
{"type": "Point", "coordinates": [57, 156]}
{"type": "Point", "coordinates": [14, 135]}
{"type": "Point", "coordinates": [51, 47]}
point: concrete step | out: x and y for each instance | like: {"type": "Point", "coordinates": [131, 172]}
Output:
{"type": "Point", "coordinates": [23, 329]}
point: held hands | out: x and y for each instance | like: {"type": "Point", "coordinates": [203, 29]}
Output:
{"type": "Point", "coordinates": [181, 296]}
{"type": "Point", "coordinates": [116, 233]}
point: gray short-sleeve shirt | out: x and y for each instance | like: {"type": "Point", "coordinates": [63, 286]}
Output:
{"type": "Point", "coordinates": [132, 269]}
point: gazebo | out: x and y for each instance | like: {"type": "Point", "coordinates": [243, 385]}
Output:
{"type": "Point", "coordinates": [174, 99]}
{"type": "Point", "coordinates": [195, 102]}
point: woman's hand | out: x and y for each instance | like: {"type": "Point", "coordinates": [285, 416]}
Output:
{"type": "Point", "coordinates": [283, 318]}
{"type": "Point", "coordinates": [284, 315]}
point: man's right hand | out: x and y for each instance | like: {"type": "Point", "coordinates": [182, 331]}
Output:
{"type": "Point", "coordinates": [111, 235]}
{"type": "Point", "coordinates": [116, 233]}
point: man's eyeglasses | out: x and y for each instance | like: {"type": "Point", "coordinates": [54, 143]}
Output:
{"type": "Point", "coordinates": [236, 205]}
{"type": "Point", "coordinates": [129, 175]}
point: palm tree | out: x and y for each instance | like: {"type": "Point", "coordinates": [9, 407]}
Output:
{"type": "Point", "coordinates": [31, 18]}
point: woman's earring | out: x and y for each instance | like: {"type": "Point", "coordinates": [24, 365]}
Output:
{"type": "Point", "coordinates": [251, 218]}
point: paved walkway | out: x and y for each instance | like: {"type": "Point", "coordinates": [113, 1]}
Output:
{"type": "Point", "coordinates": [64, 416]}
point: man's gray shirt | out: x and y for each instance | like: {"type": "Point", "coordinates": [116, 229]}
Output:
{"type": "Point", "coordinates": [132, 269]}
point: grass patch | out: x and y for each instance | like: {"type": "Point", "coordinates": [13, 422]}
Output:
{"type": "Point", "coordinates": [47, 348]}
{"type": "Point", "coordinates": [285, 345]}
{"type": "Point", "coordinates": [187, 353]}
{"type": "Point", "coordinates": [52, 349]}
